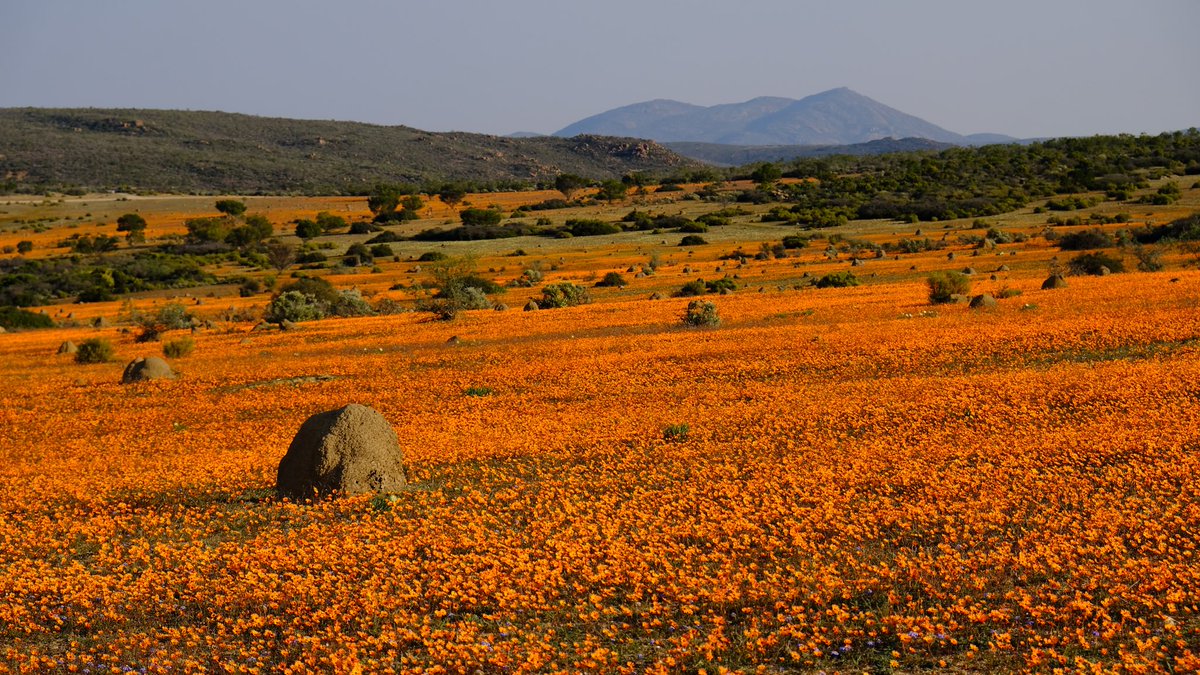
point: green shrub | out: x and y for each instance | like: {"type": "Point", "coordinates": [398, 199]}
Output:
{"type": "Point", "coordinates": [692, 240]}
{"type": "Point", "coordinates": [722, 285]}
{"type": "Point", "coordinates": [944, 285]}
{"type": "Point", "coordinates": [432, 256]}
{"type": "Point", "coordinates": [231, 207]}
{"type": "Point", "coordinates": [294, 306]}
{"type": "Point", "coordinates": [350, 303]}
{"type": "Point", "coordinates": [1084, 240]}
{"type": "Point", "coordinates": [94, 350]}
{"type": "Point", "coordinates": [478, 391]}
{"type": "Point", "coordinates": [480, 217]}
{"type": "Point", "coordinates": [713, 220]}
{"type": "Point", "coordinates": [307, 229]}
{"type": "Point", "coordinates": [249, 287]}
{"type": "Point", "coordinates": [675, 433]}
{"type": "Point", "coordinates": [563, 294]}
{"type": "Point", "coordinates": [692, 288]}
{"type": "Point", "coordinates": [700, 314]}
{"type": "Point", "coordinates": [529, 277]}
{"type": "Point", "coordinates": [1149, 260]}
{"type": "Point", "coordinates": [589, 227]}
{"type": "Point", "coordinates": [177, 349]}
{"type": "Point", "coordinates": [173, 316]}
{"type": "Point", "coordinates": [15, 318]}
{"type": "Point", "coordinates": [612, 279]}
{"type": "Point", "coordinates": [1092, 263]}
{"type": "Point", "coordinates": [837, 280]}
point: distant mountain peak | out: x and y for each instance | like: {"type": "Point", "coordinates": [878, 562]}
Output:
{"type": "Point", "coordinates": [836, 116]}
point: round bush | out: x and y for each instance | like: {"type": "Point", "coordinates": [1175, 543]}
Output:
{"type": "Point", "coordinates": [94, 350]}
{"type": "Point", "coordinates": [701, 313]}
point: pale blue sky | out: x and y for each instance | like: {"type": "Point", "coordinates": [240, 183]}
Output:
{"type": "Point", "coordinates": [1021, 67]}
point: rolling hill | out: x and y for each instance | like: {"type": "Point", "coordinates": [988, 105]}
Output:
{"type": "Point", "coordinates": [835, 117]}
{"type": "Point", "coordinates": [215, 152]}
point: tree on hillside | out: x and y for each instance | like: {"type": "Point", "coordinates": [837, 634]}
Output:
{"type": "Point", "coordinates": [330, 223]}
{"type": "Point", "coordinates": [256, 229]}
{"type": "Point", "coordinates": [135, 227]}
{"type": "Point", "coordinates": [307, 229]}
{"type": "Point", "coordinates": [569, 184]}
{"type": "Point", "coordinates": [279, 255]}
{"type": "Point", "coordinates": [385, 198]}
{"type": "Point", "coordinates": [766, 173]}
{"type": "Point", "coordinates": [612, 190]}
{"type": "Point", "coordinates": [452, 193]}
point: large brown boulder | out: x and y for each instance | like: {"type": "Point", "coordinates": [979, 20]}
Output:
{"type": "Point", "coordinates": [351, 450]}
{"type": "Point", "coordinates": [983, 301]}
{"type": "Point", "coordinates": [1054, 281]}
{"type": "Point", "coordinates": [148, 368]}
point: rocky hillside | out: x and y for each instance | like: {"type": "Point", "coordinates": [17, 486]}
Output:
{"type": "Point", "coordinates": [178, 151]}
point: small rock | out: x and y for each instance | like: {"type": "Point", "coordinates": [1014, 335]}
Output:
{"type": "Point", "coordinates": [67, 347]}
{"type": "Point", "coordinates": [531, 306]}
{"type": "Point", "coordinates": [500, 307]}
{"type": "Point", "coordinates": [656, 296]}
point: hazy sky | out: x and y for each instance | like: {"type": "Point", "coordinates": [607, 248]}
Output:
{"type": "Point", "coordinates": [1021, 67]}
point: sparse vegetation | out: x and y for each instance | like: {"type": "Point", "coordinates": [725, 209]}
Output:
{"type": "Point", "coordinates": [944, 286]}
{"type": "Point", "coordinates": [701, 314]}
{"type": "Point", "coordinates": [94, 350]}
{"type": "Point", "coordinates": [177, 349]}
{"type": "Point", "coordinates": [563, 294]}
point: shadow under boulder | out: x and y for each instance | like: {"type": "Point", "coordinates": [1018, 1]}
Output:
{"type": "Point", "coordinates": [351, 450]}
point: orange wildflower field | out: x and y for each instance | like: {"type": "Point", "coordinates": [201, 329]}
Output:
{"type": "Point", "coordinates": [865, 482]}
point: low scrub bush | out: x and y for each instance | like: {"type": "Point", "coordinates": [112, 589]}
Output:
{"type": "Point", "coordinates": [944, 285]}
{"type": "Point", "coordinates": [701, 314]}
{"type": "Point", "coordinates": [177, 349]}
{"type": "Point", "coordinates": [612, 279]}
{"type": "Point", "coordinates": [1094, 264]}
{"type": "Point", "coordinates": [675, 433]}
{"type": "Point", "coordinates": [15, 318]}
{"type": "Point", "coordinates": [563, 294]}
{"type": "Point", "coordinates": [1084, 240]}
{"type": "Point", "coordinates": [837, 280]}
{"type": "Point", "coordinates": [94, 350]}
